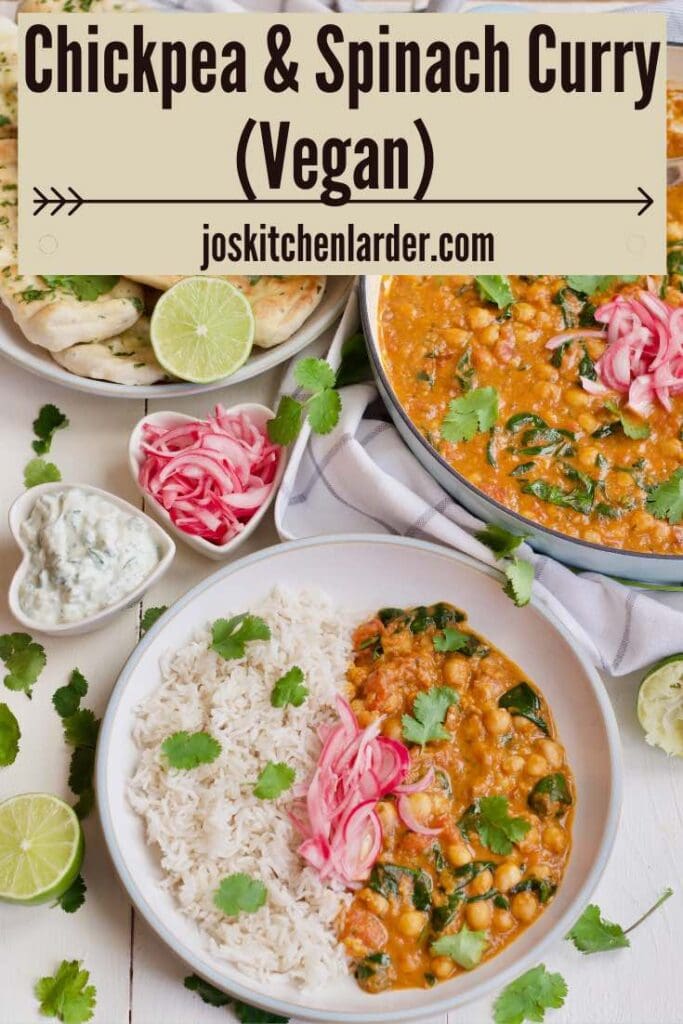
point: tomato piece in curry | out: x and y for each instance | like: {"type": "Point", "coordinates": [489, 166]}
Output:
{"type": "Point", "coordinates": [502, 800]}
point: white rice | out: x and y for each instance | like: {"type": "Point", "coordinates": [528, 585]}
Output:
{"type": "Point", "coordinates": [207, 822]}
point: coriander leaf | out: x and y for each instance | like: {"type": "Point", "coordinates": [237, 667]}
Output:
{"type": "Point", "coordinates": [38, 471]}
{"type": "Point", "coordinates": [286, 424]}
{"type": "Point", "coordinates": [238, 893]}
{"type": "Point", "coordinates": [323, 411]}
{"type": "Point", "coordinates": [465, 947]}
{"type": "Point", "coordinates": [81, 770]}
{"type": "Point", "coordinates": [24, 660]}
{"type": "Point", "coordinates": [633, 428]}
{"type": "Point", "coordinates": [520, 577]}
{"type": "Point", "coordinates": [67, 699]}
{"type": "Point", "coordinates": [252, 1015]}
{"type": "Point", "coordinates": [451, 639]}
{"type": "Point", "coordinates": [496, 288]}
{"type": "Point", "coordinates": [81, 728]}
{"type": "Point", "coordinates": [150, 616]}
{"type": "Point", "coordinates": [529, 996]}
{"type": "Point", "coordinates": [475, 411]}
{"type": "Point", "coordinates": [66, 995]}
{"type": "Point", "coordinates": [314, 374]}
{"type": "Point", "coordinates": [354, 367]}
{"type": "Point", "coordinates": [275, 778]}
{"type": "Point", "coordinates": [207, 993]}
{"type": "Point", "coordinates": [229, 637]}
{"type": "Point", "coordinates": [489, 817]}
{"type": "Point", "coordinates": [10, 734]}
{"type": "Point", "coordinates": [588, 285]}
{"type": "Point", "coordinates": [666, 500]}
{"type": "Point", "coordinates": [289, 689]}
{"type": "Point", "coordinates": [429, 713]}
{"type": "Point", "coordinates": [184, 750]}
{"type": "Point", "coordinates": [49, 419]}
{"type": "Point", "coordinates": [499, 540]}
{"type": "Point", "coordinates": [86, 288]}
{"type": "Point", "coordinates": [74, 897]}
{"type": "Point", "coordinates": [593, 934]}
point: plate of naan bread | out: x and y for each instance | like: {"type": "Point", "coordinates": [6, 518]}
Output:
{"type": "Point", "coordinates": [92, 333]}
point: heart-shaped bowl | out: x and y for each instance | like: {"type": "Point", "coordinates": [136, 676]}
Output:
{"type": "Point", "coordinates": [21, 510]}
{"type": "Point", "coordinates": [259, 414]}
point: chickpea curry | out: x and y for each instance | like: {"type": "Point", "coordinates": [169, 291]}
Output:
{"type": "Point", "coordinates": [495, 823]}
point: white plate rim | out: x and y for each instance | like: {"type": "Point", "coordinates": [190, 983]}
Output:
{"type": "Point", "coordinates": [39, 363]}
{"type": "Point", "coordinates": [278, 1006]}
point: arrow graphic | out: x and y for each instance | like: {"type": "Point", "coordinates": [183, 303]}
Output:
{"type": "Point", "coordinates": [58, 202]}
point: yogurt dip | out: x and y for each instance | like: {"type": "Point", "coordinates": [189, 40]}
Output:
{"type": "Point", "coordinates": [86, 554]}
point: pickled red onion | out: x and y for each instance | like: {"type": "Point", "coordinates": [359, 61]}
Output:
{"type": "Point", "coordinates": [210, 475]}
{"type": "Point", "coordinates": [643, 357]}
{"type": "Point", "coordinates": [336, 812]}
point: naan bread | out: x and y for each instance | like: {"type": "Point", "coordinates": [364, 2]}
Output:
{"type": "Point", "coordinates": [80, 7]}
{"type": "Point", "coordinates": [9, 54]}
{"type": "Point", "coordinates": [126, 359]}
{"type": "Point", "coordinates": [280, 304]}
{"type": "Point", "coordinates": [55, 319]}
{"type": "Point", "coordinates": [8, 202]}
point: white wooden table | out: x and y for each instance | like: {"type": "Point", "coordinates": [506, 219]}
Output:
{"type": "Point", "coordinates": [138, 981]}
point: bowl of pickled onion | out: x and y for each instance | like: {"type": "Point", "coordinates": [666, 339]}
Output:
{"type": "Point", "coordinates": [209, 481]}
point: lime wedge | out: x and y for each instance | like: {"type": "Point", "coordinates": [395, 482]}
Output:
{"type": "Point", "coordinates": [41, 848]}
{"type": "Point", "coordinates": [202, 329]}
{"type": "Point", "coordinates": [660, 705]}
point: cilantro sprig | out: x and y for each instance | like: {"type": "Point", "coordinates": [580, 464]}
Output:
{"type": "Point", "coordinates": [213, 996]}
{"type": "Point", "coordinates": [276, 778]}
{"type": "Point", "coordinates": [592, 933]}
{"type": "Point", "coordinates": [289, 689]}
{"type": "Point", "coordinates": [10, 734]}
{"type": "Point", "coordinates": [81, 728]}
{"type": "Point", "coordinates": [39, 471]}
{"type": "Point", "coordinates": [529, 996]}
{"type": "Point", "coordinates": [499, 540]}
{"type": "Point", "coordinates": [66, 994]}
{"type": "Point", "coordinates": [322, 406]}
{"type": "Point", "coordinates": [24, 660]}
{"type": "Point", "coordinates": [185, 751]}
{"type": "Point", "coordinates": [84, 287]}
{"type": "Point", "coordinates": [150, 616]}
{"type": "Point", "coordinates": [465, 947]}
{"type": "Point", "coordinates": [451, 639]}
{"type": "Point", "coordinates": [429, 713]}
{"type": "Point", "coordinates": [475, 412]}
{"type": "Point", "coordinates": [632, 427]}
{"type": "Point", "coordinates": [519, 574]}
{"type": "Point", "coordinates": [74, 897]}
{"type": "Point", "coordinates": [48, 421]}
{"type": "Point", "coordinates": [666, 500]}
{"type": "Point", "coordinates": [238, 894]}
{"type": "Point", "coordinates": [495, 288]}
{"type": "Point", "coordinates": [489, 817]}
{"type": "Point", "coordinates": [229, 637]}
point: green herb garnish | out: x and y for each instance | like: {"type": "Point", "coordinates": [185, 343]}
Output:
{"type": "Point", "coordinates": [593, 934]}
{"type": "Point", "coordinates": [49, 420]}
{"type": "Point", "coordinates": [529, 996]}
{"type": "Point", "coordinates": [184, 750]}
{"type": "Point", "coordinates": [74, 897]}
{"type": "Point", "coordinates": [229, 637]}
{"type": "Point", "coordinates": [499, 540]}
{"type": "Point", "coordinates": [477, 411]}
{"type": "Point", "coordinates": [519, 575]}
{"type": "Point", "coordinates": [66, 994]}
{"type": "Point", "coordinates": [429, 713]}
{"type": "Point", "coordinates": [10, 734]}
{"type": "Point", "coordinates": [38, 471]}
{"type": "Point", "coordinates": [488, 816]}
{"type": "Point", "coordinates": [150, 616]}
{"type": "Point", "coordinates": [665, 501]}
{"type": "Point", "coordinates": [239, 893]}
{"type": "Point", "coordinates": [496, 288]}
{"type": "Point", "coordinates": [85, 288]}
{"type": "Point", "coordinates": [523, 700]}
{"type": "Point", "coordinates": [465, 947]}
{"type": "Point", "coordinates": [322, 407]}
{"type": "Point", "coordinates": [24, 660]}
{"type": "Point", "coordinates": [275, 778]}
{"type": "Point", "coordinates": [289, 689]}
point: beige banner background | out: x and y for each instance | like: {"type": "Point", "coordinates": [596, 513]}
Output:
{"type": "Point", "coordinates": [521, 145]}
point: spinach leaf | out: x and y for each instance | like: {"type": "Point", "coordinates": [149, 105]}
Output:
{"type": "Point", "coordinates": [523, 700]}
{"type": "Point", "coordinates": [542, 888]}
{"type": "Point", "coordinates": [550, 795]}
{"type": "Point", "coordinates": [443, 915]}
{"type": "Point", "coordinates": [525, 419]}
{"type": "Point", "coordinates": [385, 878]}
{"type": "Point", "coordinates": [495, 288]}
{"type": "Point", "coordinates": [587, 366]}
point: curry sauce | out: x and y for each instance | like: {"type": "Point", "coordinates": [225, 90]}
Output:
{"type": "Point", "coordinates": [500, 803]}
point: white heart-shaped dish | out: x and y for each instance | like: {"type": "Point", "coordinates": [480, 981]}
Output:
{"type": "Point", "coordinates": [259, 414]}
{"type": "Point", "coordinates": [19, 512]}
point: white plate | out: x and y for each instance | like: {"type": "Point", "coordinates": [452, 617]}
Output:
{"type": "Point", "coordinates": [363, 573]}
{"type": "Point", "coordinates": [15, 347]}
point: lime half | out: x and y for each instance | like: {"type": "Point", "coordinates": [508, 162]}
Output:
{"type": "Point", "coordinates": [41, 848]}
{"type": "Point", "coordinates": [660, 705]}
{"type": "Point", "coordinates": [202, 329]}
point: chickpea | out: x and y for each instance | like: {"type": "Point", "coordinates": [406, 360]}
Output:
{"type": "Point", "coordinates": [472, 728]}
{"type": "Point", "coordinates": [482, 883]}
{"type": "Point", "coordinates": [587, 457]}
{"type": "Point", "coordinates": [547, 372]}
{"type": "Point", "coordinates": [393, 729]}
{"type": "Point", "coordinates": [388, 815]}
{"type": "Point", "coordinates": [420, 805]}
{"type": "Point", "coordinates": [507, 875]}
{"type": "Point", "coordinates": [411, 923]}
{"type": "Point", "coordinates": [479, 915]}
{"type": "Point", "coordinates": [576, 398]}
{"type": "Point", "coordinates": [482, 753]}
{"type": "Point", "coordinates": [378, 904]}
{"type": "Point", "coordinates": [478, 317]}
{"type": "Point", "coordinates": [523, 311]}
{"type": "Point", "coordinates": [536, 766]}
{"type": "Point", "coordinates": [641, 521]}
{"type": "Point", "coordinates": [530, 839]}
{"type": "Point", "coordinates": [540, 871]}
{"type": "Point", "coordinates": [497, 721]}
{"type": "Point", "coordinates": [522, 724]}
{"type": "Point", "coordinates": [503, 920]}
{"type": "Point", "coordinates": [513, 764]}
{"type": "Point", "coordinates": [483, 688]}
{"type": "Point", "coordinates": [554, 839]}
{"type": "Point", "coordinates": [490, 334]}
{"type": "Point", "coordinates": [592, 536]}
{"type": "Point", "coordinates": [588, 422]}
{"type": "Point", "coordinates": [458, 854]}
{"type": "Point", "coordinates": [456, 671]}
{"type": "Point", "coordinates": [671, 447]}
{"type": "Point", "coordinates": [523, 906]}
{"type": "Point", "coordinates": [411, 961]}
{"type": "Point", "coordinates": [442, 967]}
{"type": "Point", "coordinates": [551, 751]}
